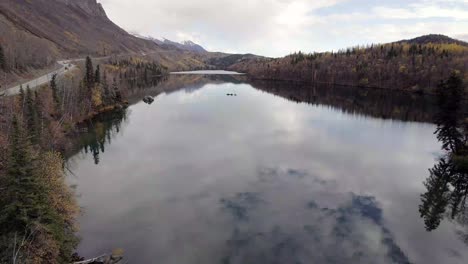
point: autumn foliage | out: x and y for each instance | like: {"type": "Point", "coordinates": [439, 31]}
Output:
{"type": "Point", "coordinates": [402, 66]}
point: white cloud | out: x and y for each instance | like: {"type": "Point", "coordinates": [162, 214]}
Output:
{"type": "Point", "coordinates": [419, 11]}
{"type": "Point", "coordinates": [278, 27]}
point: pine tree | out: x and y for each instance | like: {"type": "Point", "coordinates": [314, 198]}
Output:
{"type": "Point", "coordinates": [97, 75]}
{"type": "Point", "coordinates": [89, 75]}
{"type": "Point", "coordinates": [448, 118]}
{"type": "Point", "coordinates": [21, 97]}
{"type": "Point", "coordinates": [20, 203]}
{"type": "Point", "coordinates": [2, 59]}
{"type": "Point", "coordinates": [36, 206]}
{"type": "Point", "coordinates": [447, 185]}
{"type": "Point", "coordinates": [38, 106]}
{"type": "Point", "coordinates": [30, 116]}
{"type": "Point", "coordinates": [53, 87]}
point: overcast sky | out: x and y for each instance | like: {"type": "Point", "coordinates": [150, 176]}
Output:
{"type": "Point", "coordinates": [279, 27]}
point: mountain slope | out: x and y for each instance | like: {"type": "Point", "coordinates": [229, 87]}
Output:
{"type": "Point", "coordinates": [73, 26]}
{"type": "Point", "coordinates": [433, 39]}
{"type": "Point", "coordinates": [186, 45]}
{"type": "Point", "coordinates": [166, 43]}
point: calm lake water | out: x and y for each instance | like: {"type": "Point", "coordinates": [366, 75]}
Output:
{"type": "Point", "coordinates": [217, 72]}
{"type": "Point", "coordinates": [275, 173]}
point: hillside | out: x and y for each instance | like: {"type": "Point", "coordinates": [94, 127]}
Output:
{"type": "Point", "coordinates": [186, 45]}
{"type": "Point", "coordinates": [416, 65]}
{"type": "Point", "coordinates": [73, 27]}
{"type": "Point", "coordinates": [433, 39]}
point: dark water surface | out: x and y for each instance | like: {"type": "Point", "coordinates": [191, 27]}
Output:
{"type": "Point", "coordinates": [276, 174]}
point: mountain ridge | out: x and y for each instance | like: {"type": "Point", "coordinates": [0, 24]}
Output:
{"type": "Point", "coordinates": [187, 45]}
{"type": "Point", "coordinates": [433, 39]}
{"type": "Point", "coordinates": [92, 7]}
{"type": "Point", "coordinates": [75, 27]}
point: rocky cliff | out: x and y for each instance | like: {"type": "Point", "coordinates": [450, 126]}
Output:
{"type": "Point", "coordinates": [92, 7]}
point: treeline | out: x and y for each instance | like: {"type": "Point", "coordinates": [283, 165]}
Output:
{"type": "Point", "coordinates": [37, 208]}
{"type": "Point", "coordinates": [137, 72]}
{"type": "Point", "coordinates": [403, 66]}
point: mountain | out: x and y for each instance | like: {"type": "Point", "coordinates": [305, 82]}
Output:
{"type": "Point", "coordinates": [72, 26]}
{"type": "Point", "coordinates": [184, 45]}
{"type": "Point", "coordinates": [434, 39]}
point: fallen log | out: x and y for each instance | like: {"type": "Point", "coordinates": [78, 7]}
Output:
{"type": "Point", "coordinates": [100, 259]}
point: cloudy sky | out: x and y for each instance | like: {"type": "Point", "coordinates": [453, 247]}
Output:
{"type": "Point", "coordinates": [279, 27]}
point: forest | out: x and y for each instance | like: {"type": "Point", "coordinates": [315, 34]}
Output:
{"type": "Point", "coordinates": [401, 66]}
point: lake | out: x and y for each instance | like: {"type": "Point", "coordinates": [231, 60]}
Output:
{"type": "Point", "coordinates": [221, 170]}
{"type": "Point", "coordinates": [209, 72]}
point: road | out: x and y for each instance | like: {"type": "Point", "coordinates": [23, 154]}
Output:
{"type": "Point", "coordinates": [66, 66]}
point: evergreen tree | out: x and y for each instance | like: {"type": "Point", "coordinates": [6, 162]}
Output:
{"type": "Point", "coordinates": [448, 118]}
{"type": "Point", "coordinates": [38, 106]}
{"type": "Point", "coordinates": [36, 206]}
{"type": "Point", "coordinates": [54, 88]}
{"type": "Point", "coordinates": [30, 116]}
{"type": "Point", "coordinates": [20, 203]}
{"type": "Point", "coordinates": [21, 97]}
{"type": "Point", "coordinates": [97, 75]}
{"type": "Point", "coordinates": [89, 75]}
{"type": "Point", "coordinates": [447, 185]}
{"type": "Point", "coordinates": [2, 59]}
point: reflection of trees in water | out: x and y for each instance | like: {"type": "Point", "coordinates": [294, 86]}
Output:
{"type": "Point", "coordinates": [322, 235]}
{"type": "Point", "coordinates": [372, 102]}
{"type": "Point", "coordinates": [447, 185]}
{"type": "Point", "coordinates": [101, 132]}
{"type": "Point", "coordinates": [144, 82]}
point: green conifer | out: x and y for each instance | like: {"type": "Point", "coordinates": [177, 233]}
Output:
{"type": "Point", "coordinates": [2, 59]}
{"type": "Point", "coordinates": [53, 87]}
{"type": "Point", "coordinates": [20, 203]}
{"type": "Point", "coordinates": [97, 75]}
{"type": "Point", "coordinates": [30, 116]}
{"type": "Point", "coordinates": [89, 75]}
